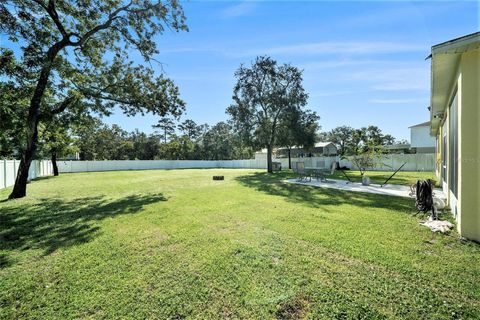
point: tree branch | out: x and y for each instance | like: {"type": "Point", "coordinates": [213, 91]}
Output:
{"type": "Point", "coordinates": [111, 17]}
{"type": "Point", "coordinates": [52, 12]}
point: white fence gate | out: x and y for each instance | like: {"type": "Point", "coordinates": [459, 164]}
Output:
{"type": "Point", "coordinates": [9, 170]}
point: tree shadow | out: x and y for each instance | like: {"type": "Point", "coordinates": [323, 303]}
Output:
{"type": "Point", "coordinates": [57, 223]}
{"type": "Point", "coordinates": [273, 184]}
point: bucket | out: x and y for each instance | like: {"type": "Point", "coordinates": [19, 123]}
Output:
{"type": "Point", "coordinates": [365, 181]}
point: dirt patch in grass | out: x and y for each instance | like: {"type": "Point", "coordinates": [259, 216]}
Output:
{"type": "Point", "coordinates": [295, 308]}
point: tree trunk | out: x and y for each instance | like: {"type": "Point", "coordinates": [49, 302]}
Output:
{"type": "Point", "coordinates": [289, 158]}
{"type": "Point", "coordinates": [269, 159]}
{"type": "Point", "coordinates": [54, 164]}
{"type": "Point", "coordinates": [20, 187]}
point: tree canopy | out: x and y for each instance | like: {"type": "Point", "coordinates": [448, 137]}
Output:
{"type": "Point", "coordinates": [265, 94]}
{"type": "Point", "coordinates": [79, 51]}
{"type": "Point", "coordinates": [350, 141]}
{"type": "Point", "coordinates": [298, 129]}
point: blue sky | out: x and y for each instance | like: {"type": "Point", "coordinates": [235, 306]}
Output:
{"type": "Point", "coordinates": [364, 62]}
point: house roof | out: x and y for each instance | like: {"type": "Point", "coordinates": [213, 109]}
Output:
{"type": "Point", "coordinates": [323, 144]}
{"type": "Point", "coordinates": [316, 145]}
{"type": "Point", "coordinates": [397, 146]}
{"type": "Point", "coordinates": [445, 59]}
{"type": "Point", "coordinates": [423, 124]}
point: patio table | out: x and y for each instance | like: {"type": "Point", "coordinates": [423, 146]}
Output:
{"type": "Point", "coordinates": [318, 173]}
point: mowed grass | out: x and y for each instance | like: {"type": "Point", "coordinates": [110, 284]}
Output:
{"type": "Point", "coordinates": [379, 177]}
{"type": "Point", "coordinates": [175, 244]}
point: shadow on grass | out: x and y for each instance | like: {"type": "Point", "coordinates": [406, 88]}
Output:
{"type": "Point", "coordinates": [318, 197]}
{"type": "Point", "coordinates": [56, 223]}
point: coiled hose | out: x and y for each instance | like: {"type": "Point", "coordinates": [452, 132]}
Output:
{"type": "Point", "coordinates": [424, 197]}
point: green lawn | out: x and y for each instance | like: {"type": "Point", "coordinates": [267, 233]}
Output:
{"type": "Point", "coordinates": [175, 244]}
{"type": "Point", "coordinates": [379, 177]}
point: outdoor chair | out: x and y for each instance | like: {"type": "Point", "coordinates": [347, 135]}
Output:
{"type": "Point", "coordinates": [319, 171]}
{"type": "Point", "coordinates": [299, 170]}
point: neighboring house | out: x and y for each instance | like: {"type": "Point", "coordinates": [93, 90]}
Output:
{"type": "Point", "coordinates": [455, 122]}
{"type": "Point", "coordinates": [320, 149]}
{"type": "Point", "coordinates": [421, 139]}
{"type": "Point", "coordinates": [397, 148]}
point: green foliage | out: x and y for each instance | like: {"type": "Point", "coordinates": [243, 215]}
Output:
{"type": "Point", "coordinates": [298, 128]}
{"type": "Point", "coordinates": [97, 141]}
{"type": "Point", "coordinates": [166, 128]}
{"type": "Point", "coordinates": [173, 244]}
{"type": "Point", "coordinates": [190, 129]}
{"type": "Point", "coordinates": [264, 97]}
{"type": "Point", "coordinates": [80, 51]}
{"type": "Point", "coordinates": [13, 111]}
{"type": "Point", "coordinates": [367, 157]}
{"type": "Point", "coordinates": [75, 55]}
{"type": "Point", "coordinates": [350, 141]}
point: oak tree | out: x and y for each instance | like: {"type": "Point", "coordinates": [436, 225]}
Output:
{"type": "Point", "coordinates": [75, 51]}
{"type": "Point", "coordinates": [264, 95]}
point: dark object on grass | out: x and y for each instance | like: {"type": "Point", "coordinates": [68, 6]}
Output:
{"type": "Point", "coordinates": [424, 197]}
{"type": "Point", "coordinates": [393, 175]}
{"type": "Point", "coordinates": [348, 178]}
{"type": "Point", "coordinates": [218, 178]}
{"type": "Point", "coordinates": [276, 166]}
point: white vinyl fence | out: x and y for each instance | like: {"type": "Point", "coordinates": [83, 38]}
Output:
{"type": "Point", "coordinates": [415, 162]}
{"type": "Point", "coordinates": [390, 162]}
{"type": "Point", "coordinates": [117, 165]}
{"type": "Point", "coordinates": [9, 169]}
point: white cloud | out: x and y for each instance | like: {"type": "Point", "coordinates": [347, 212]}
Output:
{"type": "Point", "coordinates": [392, 79]}
{"type": "Point", "coordinates": [352, 48]}
{"type": "Point", "coordinates": [316, 94]}
{"type": "Point", "coordinates": [241, 9]}
{"type": "Point", "coordinates": [350, 52]}
{"type": "Point", "coordinates": [395, 101]}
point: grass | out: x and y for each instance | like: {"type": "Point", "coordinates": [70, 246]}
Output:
{"type": "Point", "coordinates": [175, 244]}
{"type": "Point", "coordinates": [379, 177]}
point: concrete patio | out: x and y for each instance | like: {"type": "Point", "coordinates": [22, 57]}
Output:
{"type": "Point", "coordinates": [388, 190]}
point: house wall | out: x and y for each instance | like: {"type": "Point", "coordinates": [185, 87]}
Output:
{"type": "Point", "coordinates": [466, 206]}
{"type": "Point", "coordinates": [330, 150]}
{"type": "Point", "coordinates": [425, 150]}
{"type": "Point", "coordinates": [420, 137]}
{"type": "Point", "coordinates": [469, 146]}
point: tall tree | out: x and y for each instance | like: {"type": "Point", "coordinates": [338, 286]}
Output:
{"type": "Point", "coordinates": [299, 129]}
{"type": "Point", "coordinates": [341, 137]}
{"type": "Point", "coordinates": [78, 50]}
{"type": "Point", "coordinates": [166, 127]}
{"type": "Point", "coordinates": [13, 109]}
{"type": "Point", "coordinates": [218, 142]}
{"type": "Point", "coordinates": [56, 139]}
{"type": "Point", "coordinates": [263, 96]}
{"type": "Point", "coordinates": [190, 129]}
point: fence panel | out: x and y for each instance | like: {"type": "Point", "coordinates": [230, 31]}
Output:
{"type": "Point", "coordinates": [9, 169]}
{"type": "Point", "coordinates": [414, 162]}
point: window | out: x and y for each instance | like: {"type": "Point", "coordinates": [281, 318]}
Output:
{"type": "Point", "coordinates": [453, 148]}
{"type": "Point", "coordinates": [444, 152]}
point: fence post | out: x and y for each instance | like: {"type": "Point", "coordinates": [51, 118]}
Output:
{"type": "Point", "coordinates": [14, 170]}
{"type": "Point", "coordinates": [4, 173]}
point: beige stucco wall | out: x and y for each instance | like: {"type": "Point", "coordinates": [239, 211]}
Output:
{"type": "Point", "coordinates": [469, 145]}
{"type": "Point", "coordinates": [467, 85]}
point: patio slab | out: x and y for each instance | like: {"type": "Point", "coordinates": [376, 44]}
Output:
{"type": "Point", "coordinates": [388, 190]}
